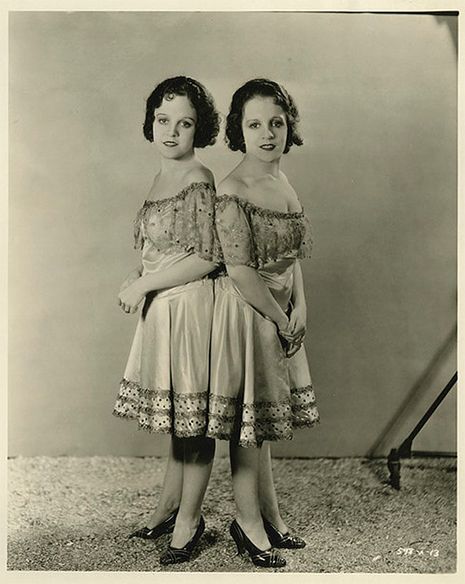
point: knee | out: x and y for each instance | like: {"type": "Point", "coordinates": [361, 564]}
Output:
{"type": "Point", "coordinates": [199, 450]}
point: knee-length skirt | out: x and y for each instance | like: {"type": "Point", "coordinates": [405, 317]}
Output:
{"type": "Point", "coordinates": [256, 392]}
{"type": "Point", "coordinates": [166, 381]}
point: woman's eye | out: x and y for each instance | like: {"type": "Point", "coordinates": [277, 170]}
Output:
{"type": "Point", "coordinates": [278, 123]}
{"type": "Point", "coordinates": [186, 125]}
{"type": "Point", "coordinates": [254, 125]}
{"type": "Point", "coordinates": [162, 121]}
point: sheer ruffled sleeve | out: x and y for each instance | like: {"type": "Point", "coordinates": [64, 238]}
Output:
{"type": "Point", "coordinates": [234, 233]}
{"type": "Point", "coordinates": [194, 221]}
{"type": "Point", "coordinates": [183, 222]}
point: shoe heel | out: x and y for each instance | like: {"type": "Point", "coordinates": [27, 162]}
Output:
{"type": "Point", "coordinates": [237, 537]}
{"type": "Point", "coordinates": [261, 558]}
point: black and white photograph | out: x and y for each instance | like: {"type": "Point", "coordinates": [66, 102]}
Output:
{"type": "Point", "coordinates": [232, 290]}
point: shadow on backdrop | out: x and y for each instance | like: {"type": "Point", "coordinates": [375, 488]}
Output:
{"type": "Point", "coordinates": [415, 393]}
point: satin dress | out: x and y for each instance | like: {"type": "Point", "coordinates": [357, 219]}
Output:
{"type": "Point", "coordinates": [166, 381]}
{"type": "Point", "coordinates": [256, 392]}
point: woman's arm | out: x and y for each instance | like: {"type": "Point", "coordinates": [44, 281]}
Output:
{"type": "Point", "coordinates": [186, 270]}
{"type": "Point", "coordinates": [298, 316]}
{"type": "Point", "coordinates": [131, 277]}
{"type": "Point", "coordinates": [257, 294]}
{"type": "Point", "coordinates": [298, 294]}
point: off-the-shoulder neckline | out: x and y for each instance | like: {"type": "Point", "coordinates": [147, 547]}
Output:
{"type": "Point", "coordinates": [265, 210]}
{"type": "Point", "coordinates": [182, 193]}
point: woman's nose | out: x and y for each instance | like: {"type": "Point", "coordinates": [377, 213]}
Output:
{"type": "Point", "coordinates": [269, 132]}
{"type": "Point", "coordinates": [173, 130]}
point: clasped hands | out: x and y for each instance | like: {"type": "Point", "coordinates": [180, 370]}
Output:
{"type": "Point", "coordinates": [292, 336]}
{"type": "Point", "coordinates": [131, 293]}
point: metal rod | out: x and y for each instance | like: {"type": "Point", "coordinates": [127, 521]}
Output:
{"type": "Point", "coordinates": [405, 449]}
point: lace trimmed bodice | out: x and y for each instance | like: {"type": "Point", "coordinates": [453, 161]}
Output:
{"type": "Point", "coordinates": [254, 236]}
{"type": "Point", "coordinates": [183, 223]}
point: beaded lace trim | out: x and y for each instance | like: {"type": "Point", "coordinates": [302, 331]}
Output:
{"type": "Point", "coordinates": [254, 236]}
{"type": "Point", "coordinates": [215, 416]}
{"type": "Point", "coordinates": [182, 222]}
{"type": "Point", "coordinates": [262, 211]}
{"type": "Point", "coordinates": [181, 195]}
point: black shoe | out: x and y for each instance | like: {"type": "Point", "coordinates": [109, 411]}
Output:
{"type": "Point", "coordinates": [178, 555]}
{"type": "Point", "coordinates": [262, 558]}
{"type": "Point", "coordinates": [282, 540]}
{"type": "Point", "coordinates": [166, 526]}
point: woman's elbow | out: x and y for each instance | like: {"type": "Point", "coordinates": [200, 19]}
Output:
{"type": "Point", "coordinates": [208, 266]}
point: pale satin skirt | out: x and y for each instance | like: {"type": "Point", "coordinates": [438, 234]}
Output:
{"type": "Point", "coordinates": [166, 380]}
{"type": "Point", "coordinates": [256, 392]}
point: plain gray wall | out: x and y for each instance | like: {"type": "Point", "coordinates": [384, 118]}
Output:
{"type": "Point", "coordinates": [377, 174]}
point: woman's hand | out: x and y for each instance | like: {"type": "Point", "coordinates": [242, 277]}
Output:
{"type": "Point", "coordinates": [131, 277]}
{"type": "Point", "coordinates": [293, 335]}
{"type": "Point", "coordinates": [298, 322]}
{"type": "Point", "coordinates": [130, 298]}
{"type": "Point", "coordinates": [292, 348]}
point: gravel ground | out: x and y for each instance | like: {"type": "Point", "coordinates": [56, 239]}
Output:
{"type": "Point", "coordinates": [76, 513]}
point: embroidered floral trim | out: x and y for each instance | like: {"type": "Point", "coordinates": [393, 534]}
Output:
{"type": "Point", "coordinates": [262, 211]}
{"type": "Point", "coordinates": [216, 416]}
{"type": "Point", "coordinates": [254, 236]}
{"type": "Point", "coordinates": [183, 222]}
{"type": "Point", "coordinates": [182, 193]}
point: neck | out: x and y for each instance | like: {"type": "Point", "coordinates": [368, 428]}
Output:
{"type": "Point", "coordinates": [258, 166]}
{"type": "Point", "coordinates": [176, 164]}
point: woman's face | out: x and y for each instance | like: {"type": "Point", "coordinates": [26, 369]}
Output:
{"type": "Point", "coordinates": [174, 127]}
{"type": "Point", "coordinates": [264, 128]}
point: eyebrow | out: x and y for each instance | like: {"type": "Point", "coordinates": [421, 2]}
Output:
{"type": "Point", "coordinates": [279, 117]}
{"type": "Point", "coordinates": [184, 118]}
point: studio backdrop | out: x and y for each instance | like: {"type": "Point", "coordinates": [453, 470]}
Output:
{"type": "Point", "coordinates": [377, 175]}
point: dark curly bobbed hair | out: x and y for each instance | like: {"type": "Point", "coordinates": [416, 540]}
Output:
{"type": "Point", "coordinates": [208, 120]}
{"type": "Point", "coordinates": [262, 88]}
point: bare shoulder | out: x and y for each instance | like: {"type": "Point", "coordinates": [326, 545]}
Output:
{"type": "Point", "coordinates": [232, 184]}
{"type": "Point", "coordinates": [292, 196]}
{"type": "Point", "coordinates": [200, 174]}
{"type": "Point", "coordinates": [283, 178]}
{"type": "Point", "coordinates": [286, 184]}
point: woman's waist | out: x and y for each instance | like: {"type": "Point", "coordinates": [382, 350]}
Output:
{"type": "Point", "coordinates": [205, 283]}
{"type": "Point", "coordinates": [281, 293]}
{"type": "Point", "coordinates": [155, 260]}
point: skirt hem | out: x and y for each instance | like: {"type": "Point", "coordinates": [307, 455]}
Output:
{"type": "Point", "coordinates": [196, 414]}
{"type": "Point", "coordinates": [217, 435]}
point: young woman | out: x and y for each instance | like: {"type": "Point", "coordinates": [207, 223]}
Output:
{"type": "Point", "coordinates": [165, 384]}
{"type": "Point", "coordinates": [260, 382]}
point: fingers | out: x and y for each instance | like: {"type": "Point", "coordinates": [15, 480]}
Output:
{"type": "Point", "coordinates": [292, 349]}
{"type": "Point", "coordinates": [292, 323]}
{"type": "Point", "coordinates": [294, 337]}
{"type": "Point", "coordinates": [126, 307]}
{"type": "Point", "coordinates": [293, 343]}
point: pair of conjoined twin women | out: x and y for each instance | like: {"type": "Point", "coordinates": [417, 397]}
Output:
{"type": "Point", "coordinates": [217, 352]}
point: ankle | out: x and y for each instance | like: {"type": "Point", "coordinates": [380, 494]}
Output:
{"type": "Point", "coordinates": [188, 520]}
{"type": "Point", "coordinates": [254, 532]}
{"type": "Point", "coordinates": [275, 519]}
{"type": "Point", "coordinates": [249, 522]}
{"type": "Point", "coordinates": [166, 508]}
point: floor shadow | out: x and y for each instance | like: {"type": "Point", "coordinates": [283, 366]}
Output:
{"type": "Point", "coordinates": [378, 469]}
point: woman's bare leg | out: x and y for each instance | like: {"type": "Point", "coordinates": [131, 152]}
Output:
{"type": "Point", "coordinates": [245, 479]}
{"type": "Point", "coordinates": [266, 491]}
{"type": "Point", "coordinates": [170, 497]}
{"type": "Point", "coordinates": [198, 461]}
